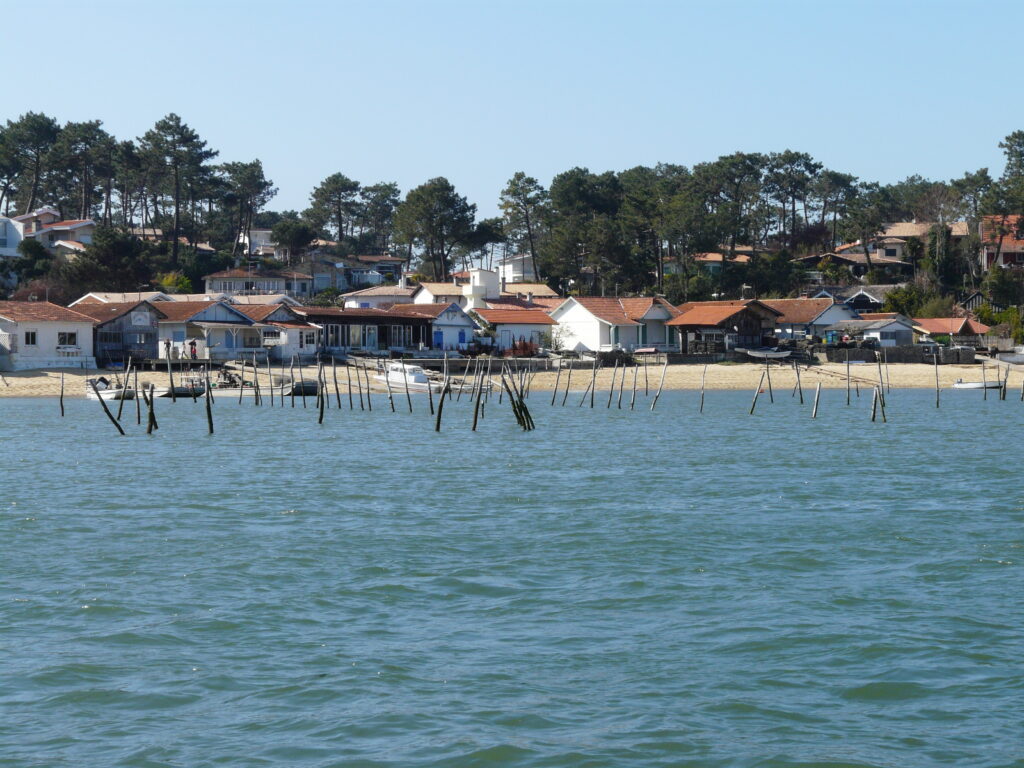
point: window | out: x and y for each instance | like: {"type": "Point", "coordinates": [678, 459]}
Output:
{"type": "Point", "coordinates": [30, 338]}
{"type": "Point", "coordinates": [249, 285]}
{"type": "Point", "coordinates": [271, 334]}
{"type": "Point", "coordinates": [67, 339]}
{"type": "Point", "coordinates": [355, 335]}
{"type": "Point", "coordinates": [890, 253]}
{"type": "Point", "coordinates": [310, 337]}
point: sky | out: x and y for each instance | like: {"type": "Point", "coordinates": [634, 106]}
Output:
{"type": "Point", "coordinates": [406, 91]}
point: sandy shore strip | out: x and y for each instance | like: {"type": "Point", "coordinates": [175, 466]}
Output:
{"type": "Point", "coordinates": [721, 376]}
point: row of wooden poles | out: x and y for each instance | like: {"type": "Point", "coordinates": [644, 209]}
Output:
{"type": "Point", "coordinates": [514, 381]}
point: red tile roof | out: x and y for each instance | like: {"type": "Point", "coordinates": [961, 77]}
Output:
{"type": "Point", "coordinates": [703, 313]}
{"type": "Point", "coordinates": [181, 311]}
{"type": "Point", "coordinates": [537, 289]}
{"type": "Point", "coordinates": [798, 311]}
{"type": "Point", "coordinates": [718, 258]}
{"type": "Point", "coordinates": [957, 326]}
{"type": "Point", "coordinates": [608, 310]}
{"type": "Point", "coordinates": [637, 308]}
{"type": "Point", "coordinates": [67, 223]}
{"type": "Point", "coordinates": [991, 226]}
{"type": "Point", "coordinates": [40, 312]}
{"type": "Point", "coordinates": [518, 316]}
{"type": "Point", "coordinates": [258, 274]}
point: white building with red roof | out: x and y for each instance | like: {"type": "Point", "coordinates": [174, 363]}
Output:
{"type": "Point", "coordinates": [45, 225]}
{"type": "Point", "coordinates": [38, 334]}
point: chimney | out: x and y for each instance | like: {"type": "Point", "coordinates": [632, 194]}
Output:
{"type": "Point", "coordinates": [401, 282]}
{"type": "Point", "coordinates": [529, 298]}
{"type": "Point", "coordinates": [502, 283]}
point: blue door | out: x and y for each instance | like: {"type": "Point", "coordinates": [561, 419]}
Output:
{"type": "Point", "coordinates": [229, 340]}
{"type": "Point", "coordinates": [439, 339]}
{"type": "Point", "coordinates": [462, 337]}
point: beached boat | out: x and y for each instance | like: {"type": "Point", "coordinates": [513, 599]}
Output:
{"type": "Point", "coordinates": [961, 384]}
{"type": "Point", "coordinates": [398, 375]}
{"type": "Point", "coordinates": [185, 388]}
{"type": "Point", "coordinates": [107, 389]}
{"type": "Point", "coordinates": [766, 354]}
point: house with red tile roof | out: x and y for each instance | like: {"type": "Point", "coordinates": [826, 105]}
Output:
{"type": "Point", "coordinates": [718, 326]}
{"type": "Point", "coordinates": [591, 323]}
{"type": "Point", "coordinates": [1002, 242]}
{"type": "Point", "coordinates": [801, 318]}
{"type": "Point", "coordinates": [124, 330]}
{"type": "Point", "coordinates": [216, 330]}
{"type": "Point", "coordinates": [285, 334]}
{"type": "Point", "coordinates": [38, 334]}
{"type": "Point", "coordinates": [47, 227]}
{"type": "Point", "coordinates": [950, 326]}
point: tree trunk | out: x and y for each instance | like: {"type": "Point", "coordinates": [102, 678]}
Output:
{"type": "Point", "coordinates": [177, 215]}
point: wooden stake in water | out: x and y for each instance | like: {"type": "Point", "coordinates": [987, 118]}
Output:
{"type": "Point", "coordinates": [440, 406]}
{"type": "Point", "coordinates": [348, 377]}
{"type": "Point", "coordinates": [291, 374]}
{"type": "Point", "coordinates": [334, 375]}
{"type": "Point", "coordinates": [302, 385]}
{"type": "Point", "coordinates": [270, 380]}
{"type": "Point", "coordinates": [703, 376]}
{"type": "Point", "coordinates": [757, 392]}
{"type": "Point", "coordinates": [366, 377]}
{"type": "Point", "coordinates": [661, 386]}
{"type": "Point", "coordinates": [936, 379]}
{"type": "Point", "coordinates": [847, 376]}
{"type": "Point", "coordinates": [984, 382]}
{"type": "Point", "coordinates": [593, 381]}
{"type": "Point", "coordinates": [874, 402]}
{"type": "Point", "coordinates": [817, 394]}
{"type": "Point", "coordinates": [209, 395]}
{"type": "Point", "coordinates": [476, 407]}
{"type": "Point", "coordinates": [881, 380]}
{"type": "Point", "coordinates": [622, 385]}
{"type": "Point", "coordinates": [611, 390]}
{"type": "Point", "coordinates": [768, 374]}
{"type": "Point", "coordinates": [62, 397]}
{"type": "Point", "coordinates": [170, 378]}
{"type": "Point", "coordinates": [105, 409]}
{"type": "Point", "coordinates": [568, 382]}
{"type": "Point", "coordinates": [124, 389]}
{"type": "Point", "coordinates": [558, 378]}
{"type": "Point", "coordinates": [405, 375]}
{"type": "Point", "coordinates": [799, 386]}
{"type": "Point", "coordinates": [632, 397]}
{"type": "Point", "coordinates": [138, 405]}
{"type": "Point", "coordinates": [387, 383]}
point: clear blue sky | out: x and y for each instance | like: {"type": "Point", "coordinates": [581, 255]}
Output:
{"type": "Point", "coordinates": [474, 91]}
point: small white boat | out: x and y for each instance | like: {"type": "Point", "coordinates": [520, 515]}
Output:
{"type": "Point", "coordinates": [765, 354]}
{"type": "Point", "coordinates": [105, 389]}
{"type": "Point", "coordinates": [397, 376]}
{"type": "Point", "coordinates": [961, 384]}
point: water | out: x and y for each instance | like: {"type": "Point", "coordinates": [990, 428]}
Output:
{"type": "Point", "coordinates": [613, 589]}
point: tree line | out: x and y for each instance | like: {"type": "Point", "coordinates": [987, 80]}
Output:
{"type": "Point", "coordinates": [634, 231]}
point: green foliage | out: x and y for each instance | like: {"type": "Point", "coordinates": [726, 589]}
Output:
{"type": "Point", "coordinates": [33, 262]}
{"type": "Point", "coordinates": [326, 298]}
{"type": "Point", "coordinates": [436, 219]}
{"type": "Point", "coordinates": [114, 261]}
{"type": "Point", "coordinates": [293, 234]}
{"type": "Point", "coordinates": [936, 306]}
{"type": "Point", "coordinates": [173, 282]}
{"type": "Point", "coordinates": [907, 300]}
{"type": "Point", "coordinates": [1005, 286]}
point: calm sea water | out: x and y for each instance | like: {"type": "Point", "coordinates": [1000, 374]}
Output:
{"type": "Point", "coordinates": [613, 589]}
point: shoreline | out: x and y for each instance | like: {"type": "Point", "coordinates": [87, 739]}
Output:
{"type": "Point", "coordinates": [725, 377]}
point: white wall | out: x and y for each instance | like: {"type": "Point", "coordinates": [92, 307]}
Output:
{"type": "Point", "coordinates": [528, 331]}
{"type": "Point", "coordinates": [44, 353]}
{"type": "Point", "coordinates": [580, 330]}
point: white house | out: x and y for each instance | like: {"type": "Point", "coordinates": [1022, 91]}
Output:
{"type": "Point", "coordinates": [284, 334]}
{"type": "Point", "coordinates": [246, 282]}
{"type": "Point", "coordinates": [45, 225]}
{"type": "Point", "coordinates": [807, 317]}
{"type": "Point", "coordinates": [108, 297]}
{"type": "Point", "coordinates": [590, 323]}
{"type": "Point", "coordinates": [517, 268]}
{"type": "Point", "coordinates": [483, 286]}
{"type": "Point", "coordinates": [888, 333]}
{"type": "Point", "coordinates": [452, 327]}
{"type": "Point", "coordinates": [38, 334]}
{"type": "Point", "coordinates": [439, 293]}
{"type": "Point", "coordinates": [515, 326]}
{"type": "Point", "coordinates": [217, 330]}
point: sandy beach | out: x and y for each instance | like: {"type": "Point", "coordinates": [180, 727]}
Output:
{"type": "Point", "coordinates": [46, 383]}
